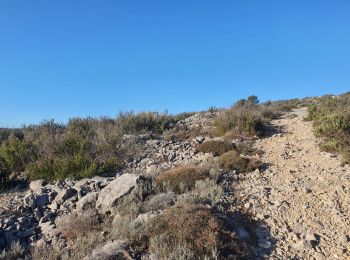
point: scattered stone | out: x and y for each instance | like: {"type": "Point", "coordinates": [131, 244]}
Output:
{"type": "Point", "coordinates": [37, 185]}
{"type": "Point", "coordinates": [41, 200]}
{"type": "Point", "coordinates": [111, 250]}
{"type": "Point", "coordinates": [64, 195]}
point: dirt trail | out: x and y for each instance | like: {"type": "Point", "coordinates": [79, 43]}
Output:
{"type": "Point", "coordinates": [303, 196]}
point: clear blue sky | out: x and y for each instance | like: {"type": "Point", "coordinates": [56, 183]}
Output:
{"type": "Point", "coordinates": [60, 59]}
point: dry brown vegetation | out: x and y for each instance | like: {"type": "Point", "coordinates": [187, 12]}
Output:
{"type": "Point", "coordinates": [16, 251]}
{"type": "Point", "coordinates": [181, 178]}
{"type": "Point", "coordinates": [232, 161]}
{"type": "Point", "coordinates": [76, 225]}
{"type": "Point", "coordinates": [192, 229]}
{"type": "Point", "coordinates": [248, 118]}
{"type": "Point", "coordinates": [216, 147]}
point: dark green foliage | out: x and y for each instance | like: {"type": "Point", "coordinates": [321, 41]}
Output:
{"type": "Point", "coordinates": [16, 154]}
{"type": "Point", "coordinates": [147, 122]}
{"type": "Point", "coordinates": [331, 118]}
{"type": "Point", "coordinates": [4, 173]}
{"type": "Point", "coordinates": [82, 148]}
{"type": "Point", "coordinates": [252, 100]}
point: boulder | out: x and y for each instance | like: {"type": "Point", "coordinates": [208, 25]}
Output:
{"type": "Point", "coordinates": [52, 195]}
{"type": "Point", "coordinates": [151, 169]}
{"type": "Point", "coordinates": [145, 217]}
{"type": "Point", "coordinates": [127, 184]}
{"type": "Point", "coordinates": [87, 202]}
{"type": "Point", "coordinates": [65, 194]}
{"type": "Point", "coordinates": [29, 201]}
{"type": "Point", "coordinates": [41, 200]}
{"type": "Point", "coordinates": [111, 250]}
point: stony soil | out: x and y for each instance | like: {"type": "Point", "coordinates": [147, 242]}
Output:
{"type": "Point", "coordinates": [303, 196]}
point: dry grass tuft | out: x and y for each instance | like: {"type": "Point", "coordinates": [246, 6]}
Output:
{"type": "Point", "coordinates": [181, 178]}
{"type": "Point", "coordinates": [183, 231]}
{"type": "Point", "coordinates": [232, 161]}
{"type": "Point", "coordinates": [78, 225]}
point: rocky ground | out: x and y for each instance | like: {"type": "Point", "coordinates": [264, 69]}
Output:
{"type": "Point", "coordinates": [299, 204]}
{"type": "Point", "coordinates": [33, 216]}
{"type": "Point", "coordinates": [303, 196]}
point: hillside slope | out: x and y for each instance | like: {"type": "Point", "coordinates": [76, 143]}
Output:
{"type": "Point", "coordinates": [295, 206]}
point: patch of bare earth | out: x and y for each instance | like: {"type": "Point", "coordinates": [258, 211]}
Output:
{"type": "Point", "coordinates": [303, 196]}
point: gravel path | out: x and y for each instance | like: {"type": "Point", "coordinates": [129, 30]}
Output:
{"type": "Point", "coordinates": [303, 196]}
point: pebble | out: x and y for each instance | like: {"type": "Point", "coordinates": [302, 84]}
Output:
{"type": "Point", "coordinates": [264, 244]}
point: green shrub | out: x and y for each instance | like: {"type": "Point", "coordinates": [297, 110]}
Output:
{"type": "Point", "coordinates": [16, 154]}
{"type": "Point", "coordinates": [331, 124]}
{"type": "Point", "coordinates": [215, 147]}
{"type": "Point", "coordinates": [331, 119]}
{"type": "Point", "coordinates": [312, 112]}
{"type": "Point", "coordinates": [4, 173]}
{"type": "Point", "coordinates": [147, 122]}
{"type": "Point", "coordinates": [331, 146]}
{"type": "Point", "coordinates": [83, 147]}
{"type": "Point", "coordinates": [76, 167]}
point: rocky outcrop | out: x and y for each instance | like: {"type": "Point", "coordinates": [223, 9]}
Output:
{"type": "Point", "coordinates": [125, 185]}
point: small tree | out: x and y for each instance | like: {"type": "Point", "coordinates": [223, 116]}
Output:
{"type": "Point", "coordinates": [240, 103]}
{"type": "Point", "coordinates": [252, 100]}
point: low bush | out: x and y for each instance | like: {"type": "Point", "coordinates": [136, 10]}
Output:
{"type": "Point", "coordinates": [76, 167]}
{"type": "Point", "coordinates": [232, 161]}
{"type": "Point", "coordinates": [16, 154]}
{"type": "Point", "coordinates": [45, 253]}
{"type": "Point", "coordinates": [247, 149]}
{"type": "Point", "coordinates": [215, 147]}
{"type": "Point", "coordinates": [16, 251]}
{"type": "Point", "coordinates": [160, 201]}
{"type": "Point", "coordinates": [181, 179]}
{"type": "Point", "coordinates": [206, 191]}
{"type": "Point", "coordinates": [331, 119]}
{"type": "Point", "coordinates": [248, 118]}
{"type": "Point", "coordinates": [148, 122]}
{"type": "Point", "coordinates": [240, 120]}
{"type": "Point", "coordinates": [79, 225]}
{"type": "Point", "coordinates": [183, 231]}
